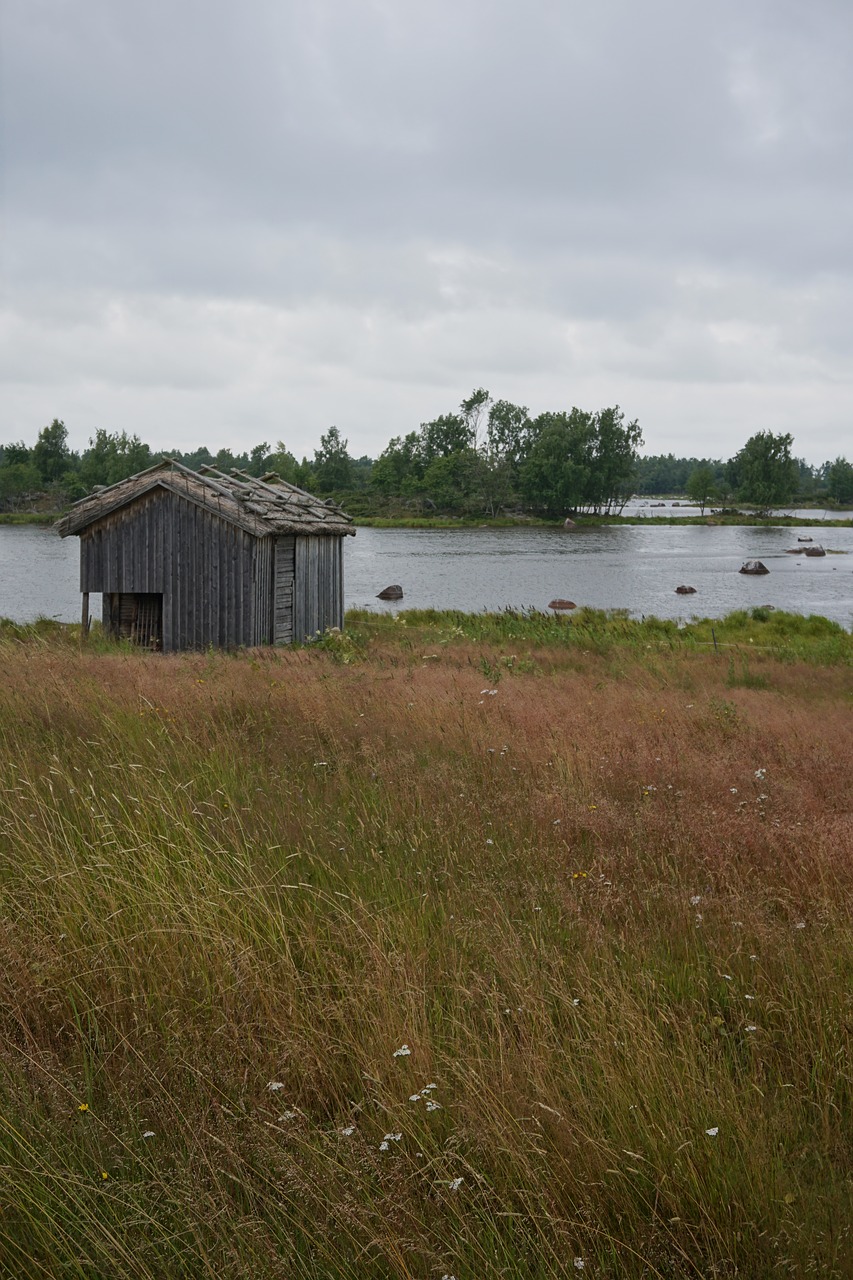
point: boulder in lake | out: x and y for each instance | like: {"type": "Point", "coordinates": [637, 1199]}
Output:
{"type": "Point", "coordinates": [562, 605]}
{"type": "Point", "coordinates": [804, 538]}
{"type": "Point", "coordinates": [815, 551]}
{"type": "Point", "coordinates": [754, 567]}
{"type": "Point", "coordinates": [391, 593]}
{"type": "Point", "coordinates": [685, 591]}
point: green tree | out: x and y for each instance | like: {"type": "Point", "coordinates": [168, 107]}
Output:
{"type": "Point", "coordinates": [613, 464]}
{"type": "Point", "coordinates": [449, 433]}
{"type": "Point", "coordinates": [283, 463]}
{"type": "Point", "coordinates": [14, 454]}
{"type": "Point", "coordinates": [51, 456]}
{"type": "Point", "coordinates": [508, 431]}
{"type": "Point", "coordinates": [763, 472]}
{"type": "Point", "coordinates": [333, 467]}
{"type": "Point", "coordinates": [840, 482]}
{"type": "Point", "coordinates": [580, 461]}
{"type": "Point", "coordinates": [473, 412]}
{"type": "Point", "coordinates": [399, 467]}
{"type": "Point", "coordinates": [449, 480]}
{"type": "Point", "coordinates": [112, 457]}
{"type": "Point", "coordinates": [259, 459]}
{"type": "Point", "coordinates": [19, 481]}
{"type": "Point", "coordinates": [701, 486]}
{"type": "Point", "coordinates": [555, 474]}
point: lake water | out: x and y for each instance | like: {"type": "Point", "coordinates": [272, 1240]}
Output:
{"type": "Point", "coordinates": [617, 567]}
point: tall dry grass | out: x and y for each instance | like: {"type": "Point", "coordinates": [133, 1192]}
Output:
{"type": "Point", "coordinates": [606, 909]}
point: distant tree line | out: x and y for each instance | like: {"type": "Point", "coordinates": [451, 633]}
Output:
{"type": "Point", "coordinates": [485, 458]}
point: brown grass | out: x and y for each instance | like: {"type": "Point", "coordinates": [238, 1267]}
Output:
{"type": "Point", "coordinates": [222, 872]}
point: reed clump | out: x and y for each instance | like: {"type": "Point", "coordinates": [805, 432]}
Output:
{"type": "Point", "coordinates": [351, 962]}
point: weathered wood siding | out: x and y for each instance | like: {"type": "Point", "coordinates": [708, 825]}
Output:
{"type": "Point", "coordinates": [285, 555]}
{"type": "Point", "coordinates": [318, 587]}
{"type": "Point", "coordinates": [215, 578]}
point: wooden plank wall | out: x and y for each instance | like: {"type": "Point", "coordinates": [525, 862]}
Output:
{"type": "Point", "coordinates": [216, 579]}
{"type": "Point", "coordinates": [283, 589]}
{"type": "Point", "coordinates": [318, 595]}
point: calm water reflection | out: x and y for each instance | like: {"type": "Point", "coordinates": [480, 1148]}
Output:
{"type": "Point", "coordinates": [621, 567]}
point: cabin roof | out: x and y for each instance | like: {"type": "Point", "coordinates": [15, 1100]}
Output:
{"type": "Point", "coordinates": [268, 505]}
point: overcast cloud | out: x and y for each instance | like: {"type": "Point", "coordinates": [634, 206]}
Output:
{"type": "Point", "coordinates": [226, 223]}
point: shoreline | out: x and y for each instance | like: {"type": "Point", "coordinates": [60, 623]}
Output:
{"type": "Point", "coordinates": [715, 520]}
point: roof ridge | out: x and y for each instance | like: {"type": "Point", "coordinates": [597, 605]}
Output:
{"type": "Point", "coordinates": [263, 507]}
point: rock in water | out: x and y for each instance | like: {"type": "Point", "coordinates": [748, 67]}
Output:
{"type": "Point", "coordinates": [562, 604]}
{"type": "Point", "coordinates": [753, 566]}
{"type": "Point", "coordinates": [815, 551]}
{"type": "Point", "coordinates": [685, 591]}
{"type": "Point", "coordinates": [569, 524]}
{"type": "Point", "coordinates": [391, 593]}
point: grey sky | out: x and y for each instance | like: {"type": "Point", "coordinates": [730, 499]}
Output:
{"type": "Point", "coordinates": [226, 223]}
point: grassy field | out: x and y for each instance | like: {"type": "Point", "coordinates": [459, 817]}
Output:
{"type": "Point", "coordinates": [450, 947]}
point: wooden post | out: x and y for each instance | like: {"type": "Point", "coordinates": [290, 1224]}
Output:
{"type": "Point", "coordinates": [84, 629]}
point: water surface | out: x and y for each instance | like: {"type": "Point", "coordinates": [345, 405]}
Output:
{"type": "Point", "coordinates": [632, 567]}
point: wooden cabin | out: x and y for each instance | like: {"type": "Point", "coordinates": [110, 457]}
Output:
{"type": "Point", "coordinates": [190, 559]}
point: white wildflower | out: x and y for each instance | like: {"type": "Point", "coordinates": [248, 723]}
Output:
{"type": "Point", "coordinates": [274, 1086]}
{"type": "Point", "coordinates": [348, 1131]}
{"type": "Point", "coordinates": [749, 997]}
{"type": "Point", "coordinates": [288, 1115]}
{"type": "Point", "coordinates": [414, 1097]}
{"type": "Point", "coordinates": [750, 1026]}
{"type": "Point", "coordinates": [712, 1133]}
{"type": "Point", "coordinates": [455, 1183]}
{"type": "Point", "coordinates": [149, 1133]}
{"type": "Point", "coordinates": [733, 790]}
{"type": "Point", "coordinates": [579, 1264]}
{"type": "Point", "coordinates": [695, 900]}
{"type": "Point", "coordinates": [432, 1105]}
{"type": "Point", "coordinates": [403, 1052]}
{"type": "Point", "coordinates": [392, 1137]}
{"type": "Point", "coordinates": [427, 1087]}
{"type": "Point", "coordinates": [383, 1146]}
{"type": "Point", "coordinates": [801, 924]}
{"type": "Point", "coordinates": [490, 842]}
{"type": "Point", "coordinates": [576, 1001]}
{"type": "Point", "coordinates": [728, 977]}
{"type": "Point", "coordinates": [760, 775]}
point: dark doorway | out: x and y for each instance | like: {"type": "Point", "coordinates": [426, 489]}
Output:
{"type": "Point", "coordinates": [137, 616]}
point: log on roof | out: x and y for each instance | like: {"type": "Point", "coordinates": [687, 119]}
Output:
{"type": "Point", "coordinates": [261, 506]}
